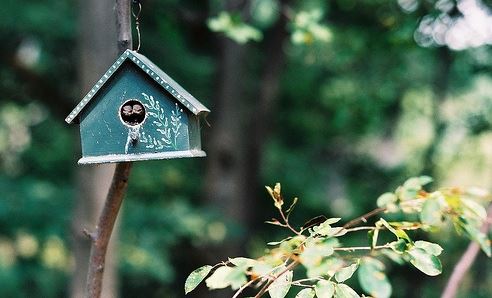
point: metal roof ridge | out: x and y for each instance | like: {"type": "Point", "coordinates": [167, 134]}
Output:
{"type": "Point", "coordinates": [153, 71]}
{"type": "Point", "coordinates": [170, 85]}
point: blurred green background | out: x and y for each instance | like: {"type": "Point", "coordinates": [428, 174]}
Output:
{"type": "Point", "coordinates": [339, 100]}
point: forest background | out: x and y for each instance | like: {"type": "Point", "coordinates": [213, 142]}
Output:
{"type": "Point", "coordinates": [339, 100]}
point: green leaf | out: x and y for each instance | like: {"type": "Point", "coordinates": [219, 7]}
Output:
{"type": "Point", "coordinates": [429, 247]}
{"type": "Point", "coordinates": [306, 293]}
{"type": "Point", "coordinates": [242, 262]}
{"type": "Point", "coordinates": [412, 183]}
{"type": "Point", "coordinates": [403, 235]}
{"type": "Point", "coordinates": [388, 200]}
{"type": "Point", "coordinates": [220, 23]}
{"type": "Point", "coordinates": [412, 186]}
{"type": "Point", "coordinates": [279, 242]}
{"type": "Point", "coordinates": [410, 189]}
{"type": "Point", "coordinates": [237, 278]}
{"type": "Point", "coordinates": [265, 12]}
{"type": "Point", "coordinates": [196, 277]}
{"type": "Point", "coordinates": [484, 243]}
{"type": "Point", "coordinates": [431, 212]}
{"type": "Point", "coordinates": [314, 252]}
{"type": "Point", "coordinates": [393, 256]}
{"type": "Point", "coordinates": [372, 278]}
{"type": "Point", "coordinates": [327, 267]}
{"type": "Point", "coordinates": [219, 279]}
{"type": "Point", "coordinates": [332, 220]}
{"type": "Point", "coordinates": [475, 234]}
{"type": "Point", "coordinates": [261, 268]}
{"type": "Point", "coordinates": [474, 209]}
{"type": "Point", "coordinates": [325, 228]}
{"type": "Point", "coordinates": [320, 32]}
{"type": "Point", "coordinates": [307, 28]}
{"type": "Point", "coordinates": [280, 287]}
{"type": "Point", "coordinates": [226, 276]}
{"type": "Point", "coordinates": [292, 245]}
{"type": "Point", "coordinates": [324, 289]}
{"type": "Point", "coordinates": [399, 246]}
{"type": "Point", "coordinates": [425, 262]}
{"type": "Point", "coordinates": [424, 180]}
{"type": "Point", "coordinates": [345, 273]}
{"type": "Point", "coordinates": [234, 28]}
{"type": "Point", "coordinates": [397, 232]}
{"type": "Point", "coordinates": [344, 291]}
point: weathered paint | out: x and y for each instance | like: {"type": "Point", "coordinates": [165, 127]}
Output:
{"type": "Point", "coordinates": [168, 128]}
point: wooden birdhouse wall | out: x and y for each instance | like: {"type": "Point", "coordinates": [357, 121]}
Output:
{"type": "Point", "coordinates": [134, 112]}
{"type": "Point", "coordinates": [167, 126]}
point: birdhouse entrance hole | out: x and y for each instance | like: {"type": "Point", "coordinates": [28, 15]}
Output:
{"type": "Point", "coordinates": [132, 112]}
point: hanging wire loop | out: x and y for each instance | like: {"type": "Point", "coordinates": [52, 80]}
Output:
{"type": "Point", "coordinates": [136, 16]}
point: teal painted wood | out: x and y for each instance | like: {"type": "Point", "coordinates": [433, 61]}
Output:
{"type": "Point", "coordinates": [151, 70]}
{"type": "Point", "coordinates": [165, 127]}
{"type": "Point", "coordinates": [137, 112]}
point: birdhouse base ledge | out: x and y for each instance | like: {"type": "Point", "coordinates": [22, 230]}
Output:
{"type": "Point", "coordinates": [139, 157]}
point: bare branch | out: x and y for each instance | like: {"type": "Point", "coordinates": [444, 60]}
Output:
{"type": "Point", "coordinates": [265, 288]}
{"type": "Point", "coordinates": [104, 229]}
{"type": "Point", "coordinates": [361, 248]}
{"type": "Point", "coordinates": [465, 262]}
{"type": "Point", "coordinates": [119, 184]}
{"type": "Point", "coordinates": [123, 25]}
{"type": "Point", "coordinates": [364, 217]}
{"type": "Point", "coordinates": [89, 235]}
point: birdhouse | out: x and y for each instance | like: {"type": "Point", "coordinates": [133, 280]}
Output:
{"type": "Point", "coordinates": [135, 111]}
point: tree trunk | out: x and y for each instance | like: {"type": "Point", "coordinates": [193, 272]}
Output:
{"type": "Point", "coordinates": [226, 151]}
{"type": "Point", "coordinates": [239, 128]}
{"type": "Point", "coordinates": [97, 51]}
{"type": "Point", "coordinates": [260, 118]}
{"type": "Point", "coordinates": [239, 131]}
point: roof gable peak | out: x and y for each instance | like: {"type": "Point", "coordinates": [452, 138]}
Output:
{"type": "Point", "coordinates": [151, 70]}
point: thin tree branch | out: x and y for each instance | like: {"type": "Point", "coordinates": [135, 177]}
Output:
{"type": "Point", "coordinates": [100, 238]}
{"type": "Point", "coordinates": [287, 224]}
{"type": "Point", "coordinates": [241, 289]}
{"type": "Point", "coordinates": [269, 283]}
{"type": "Point", "coordinates": [465, 262]}
{"type": "Point", "coordinates": [102, 235]}
{"type": "Point", "coordinates": [351, 249]}
{"type": "Point", "coordinates": [364, 217]}
{"type": "Point", "coordinates": [123, 25]}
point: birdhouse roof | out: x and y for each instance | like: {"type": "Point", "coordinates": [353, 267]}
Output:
{"type": "Point", "coordinates": [152, 71]}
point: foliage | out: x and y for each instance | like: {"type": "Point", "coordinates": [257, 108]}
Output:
{"type": "Point", "coordinates": [357, 113]}
{"type": "Point", "coordinates": [306, 24]}
{"type": "Point", "coordinates": [307, 28]}
{"type": "Point", "coordinates": [328, 264]}
{"type": "Point", "coordinates": [233, 27]}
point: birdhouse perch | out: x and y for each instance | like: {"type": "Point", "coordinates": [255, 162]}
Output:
{"type": "Point", "coordinates": [136, 111]}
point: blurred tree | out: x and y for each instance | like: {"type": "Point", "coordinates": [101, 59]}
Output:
{"type": "Point", "coordinates": [225, 183]}
{"type": "Point", "coordinates": [354, 114]}
{"type": "Point", "coordinates": [97, 51]}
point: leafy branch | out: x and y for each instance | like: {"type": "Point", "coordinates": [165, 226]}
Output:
{"type": "Point", "coordinates": [327, 264]}
{"type": "Point", "coordinates": [306, 26]}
